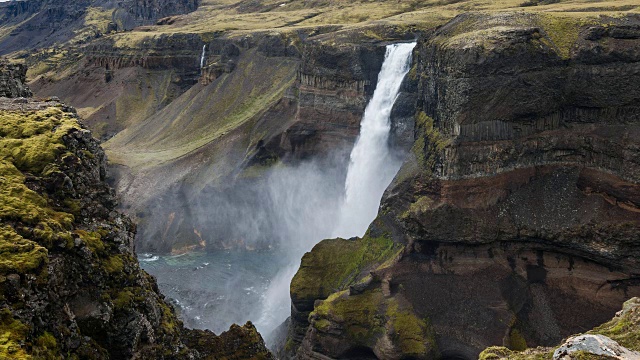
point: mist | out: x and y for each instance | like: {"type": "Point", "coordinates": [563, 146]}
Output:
{"type": "Point", "coordinates": [280, 216]}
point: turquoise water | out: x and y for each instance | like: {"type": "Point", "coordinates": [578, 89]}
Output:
{"type": "Point", "coordinates": [214, 290]}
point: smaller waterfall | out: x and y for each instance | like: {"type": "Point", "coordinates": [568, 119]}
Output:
{"type": "Point", "coordinates": [372, 166]}
{"type": "Point", "coordinates": [204, 50]}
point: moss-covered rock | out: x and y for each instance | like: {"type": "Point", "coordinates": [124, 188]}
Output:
{"type": "Point", "coordinates": [624, 329]}
{"type": "Point", "coordinates": [70, 285]}
{"type": "Point", "coordinates": [334, 264]}
{"type": "Point", "coordinates": [386, 326]}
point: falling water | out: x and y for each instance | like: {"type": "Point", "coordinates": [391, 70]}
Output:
{"type": "Point", "coordinates": [371, 169]}
{"type": "Point", "coordinates": [296, 206]}
{"type": "Point", "coordinates": [372, 166]}
{"type": "Point", "coordinates": [204, 49]}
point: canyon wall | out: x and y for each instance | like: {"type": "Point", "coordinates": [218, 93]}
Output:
{"type": "Point", "coordinates": [35, 24]}
{"type": "Point", "coordinates": [189, 137]}
{"type": "Point", "coordinates": [514, 221]}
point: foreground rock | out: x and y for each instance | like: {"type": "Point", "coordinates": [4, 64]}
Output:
{"type": "Point", "coordinates": [13, 80]}
{"type": "Point", "coordinates": [515, 219]}
{"type": "Point", "coordinates": [616, 339]}
{"type": "Point", "coordinates": [70, 284]}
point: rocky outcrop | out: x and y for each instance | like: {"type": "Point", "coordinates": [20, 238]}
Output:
{"type": "Point", "coordinates": [13, 80]}
{"type": "Point", "coordinates": [70, 284]}
{"type": "Point", "coordinates": [616, 339]}
{"type": "Point", "coordinates": [517, 208]}
{"type": "Point", "coordinates": [143, 12]}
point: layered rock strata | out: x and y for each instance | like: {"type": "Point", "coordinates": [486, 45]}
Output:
{"type": "Point", "coordinates": [516, 212]}
{"type": "Point", "coordinates": [39, 23]}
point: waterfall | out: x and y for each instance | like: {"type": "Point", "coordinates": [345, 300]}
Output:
{"type": "Point", "coordinates": [372, 166]}
{"type": "Point", "coordinates": [204, 49]}
{"type": "Point", "coordinates": [294, 207]}
{"type": "Point", "coordinates": [370, 171]}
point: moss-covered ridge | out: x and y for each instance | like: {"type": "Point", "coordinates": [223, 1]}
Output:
{"type": "Point", "coordinates": [70, 285]}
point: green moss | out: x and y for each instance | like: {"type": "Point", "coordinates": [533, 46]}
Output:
{"type": "Point", "coordinates": [583, 355]}
{"type": "Point", "coordinates": [93, 239]}
{"type": "Point", "coordinates": [322, 325]}
{"type": "Point", "coordinates": [290, 344]}
{"type": "Point", "coordinates": [31, 140]}
{"type": "Point", "coordinates": [72, 206]}
{"type": "Point", "coordinates": [624, 328]}
{"type": "Point", "coordinates": [334, 264]}
{"type": "Point", "coordinates": [421, 205]}
{"type": "Point", "coordinates": [12, 335]}
{"type": "Point", "coordinates": [502, 353]}
{"type": "Point", "coordinates": [169, 323]}
{"type": "Point", "coordinates": [367, 316]}
{"type": "Point", "coordinates": [563, 30]}
{"type": "Point", "coordinates": [516, 340]}
{"type": "Point", "coordinates": [46, 347]}
{"type": "Point", "coordinates": [19, 255]}
{"type": "Point", "coordinates": [114, 264]}
{"type": "Point", "coordinates": [359, 315]}
{"type": "Point", "coordinates": [414, 335]}
{"type": "Point", "coordinates": [123, 299]}
{"type": "Point", "coordinates": [495, 353]}
{"type": "Point", "coordinates": [430, 142]}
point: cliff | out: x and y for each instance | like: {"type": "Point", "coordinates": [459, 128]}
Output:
{"type": "Point", "coordinates": [70, 284]}
{"type": "Point", "coordinates": [514, 221]}
{"type": "Point", "coordinates": [35, 24]}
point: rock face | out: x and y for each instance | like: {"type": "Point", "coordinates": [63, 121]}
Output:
{"type": "Point", "coordinates": [13, 80]}
{"type": "Point", "coordinates": [517, 211]}
{"type": "Point", "coordinates": [335, 84]}
{"type": "Point", "coordinates": [39, 23]}
{"type": "Point", "coordinates": [597, 345]}
{"type": "Point", "coordinates": [141, 12]}
{"type": "Point", "coordinates": [70, 284]}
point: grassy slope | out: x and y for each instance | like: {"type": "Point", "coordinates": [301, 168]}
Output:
{"type": "Point", "coordinates": [204, 114]}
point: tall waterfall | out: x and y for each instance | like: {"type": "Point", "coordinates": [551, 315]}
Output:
{"type": "Point", "coordinates": [293, 206]}
{"type": "Point", "coordinates": [370, 171]}
{"type": "Point", "coordinates": [372, 167]}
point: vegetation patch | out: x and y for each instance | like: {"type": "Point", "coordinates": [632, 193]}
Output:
{"type": "Point", "coordinates": [625, 327]}
{"type": "Point", "coordinates": [430, 142]}
{"type": "Point", "coordinates": [31, 140]}
{"type": "Point", "coordinates": [19, 255]}
{"type": "Point", "coordinates": [12, 336]}
{"type": "Point", "coordinates": [367, 316]}
{"type": "Point", "coordinates": [334, 264]}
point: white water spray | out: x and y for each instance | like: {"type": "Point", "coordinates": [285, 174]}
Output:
{"type": "Point", "coordinates": [372, 167]}
{"type": "Point", "coordinates": [204, 50]}
{"type": "Point", "coordinates": [295, 207]}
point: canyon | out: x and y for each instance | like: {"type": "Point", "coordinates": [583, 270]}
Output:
{"type": "Point", "coordinates": [512, 223]}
